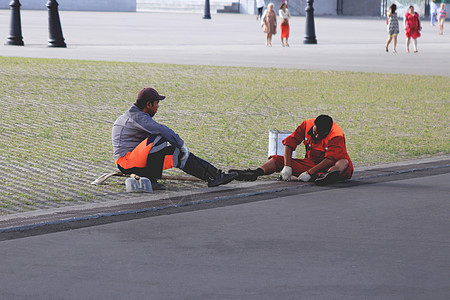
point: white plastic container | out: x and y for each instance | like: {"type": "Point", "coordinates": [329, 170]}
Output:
{"type": "Point", "coordinates": [142, 184]}
{"type": "Point", "coordinates": [276, 146]}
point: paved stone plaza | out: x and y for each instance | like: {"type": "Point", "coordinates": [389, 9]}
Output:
{"type": "Point", "coordinates": [351, 44]}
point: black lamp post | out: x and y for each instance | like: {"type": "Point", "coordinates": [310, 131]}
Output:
{"type": "Point", "coordinates": [207, 14]}
{"type": "Point", "coordinates": [427, 8]}
{"type": "Point", "coordinates": [15, 31]}
{"type": "Point", "coordinates": [310, 32]}
{"type": "Point", "coordinates": [56, 38]}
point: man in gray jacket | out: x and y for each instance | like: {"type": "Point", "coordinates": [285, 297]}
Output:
{"type": "Point", "coordinates": [141, 145]}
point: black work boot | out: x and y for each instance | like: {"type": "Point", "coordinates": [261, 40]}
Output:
{"type": "Point", "coordinates": [221, 178]}
{"type": "Point", "coordinates": [248, 174]}
{"type": "Point", "coordinates": [156, 186]}
{"type": "Point", "coordinates": [204, 170]}
{"type": "Point", "coordinates": [327, 178]}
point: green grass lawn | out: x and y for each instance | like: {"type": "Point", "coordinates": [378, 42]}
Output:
{"type": "Point", "coordinates": [55, 127]}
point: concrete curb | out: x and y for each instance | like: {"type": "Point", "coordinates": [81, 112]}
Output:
{"type": "Point", "coordinates": [138, 203]}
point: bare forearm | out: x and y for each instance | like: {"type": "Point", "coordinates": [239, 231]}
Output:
{"type": "Point", "coordinates": [288, 156]}
{"type": "Point", "coordinates": [324, 164]}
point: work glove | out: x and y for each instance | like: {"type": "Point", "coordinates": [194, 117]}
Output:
{"type": "Point", "coordinates": [185, 152]}
{"type": "Point", "coordinates": [305, 177]}
{"type": "Point", "coordinates": [286, 173]}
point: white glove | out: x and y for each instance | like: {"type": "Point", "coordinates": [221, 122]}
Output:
{"type": "Point", "coordinates": [185, 152]}
{"type": "Point", "coordinates": [286, 173]}
{"type": "Point", "coordinates": [305, 177]}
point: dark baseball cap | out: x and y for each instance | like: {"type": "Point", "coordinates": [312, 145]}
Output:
{"type": "Point", "coordinates": [149, 94]}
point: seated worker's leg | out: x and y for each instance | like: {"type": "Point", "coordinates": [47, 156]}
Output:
{"type": "Point", "coordinates": [274, 164]}
{"type": "Point", "coordinates": [202, 169]}
{"type": "Point", "coordinates": [251, 175]}
{"type": "Point", "coordinates": [159, 161]}
{"type": "Point", "coordinates": [155, 163]}
{"type": "Point", "coordinates": [341, 170]}
{"type": "Point", "coordinates": [148, 159]}
{"type": "Point", "coordinates": [341, 165]}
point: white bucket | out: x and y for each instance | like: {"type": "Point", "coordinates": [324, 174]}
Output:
{"type": "Point", "coordinates": [276, 146]}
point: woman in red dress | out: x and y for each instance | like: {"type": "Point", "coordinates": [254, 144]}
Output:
{"type": "Point", "coordinates": [411, 22]}
{"type": "Point", "coordinates": [284, 18]}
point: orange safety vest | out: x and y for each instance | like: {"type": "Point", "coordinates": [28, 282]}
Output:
{"type": "Point", "coordinates": [139, 156]}
{"type": "Point", "coordinates": [316, 150]}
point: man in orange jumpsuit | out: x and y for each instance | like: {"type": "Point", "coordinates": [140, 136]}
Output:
{"type": "Point", "coordinates": [326, 160]}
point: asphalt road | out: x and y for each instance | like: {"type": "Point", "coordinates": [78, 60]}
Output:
{"type": "Point", "coordinates": [383, 240]}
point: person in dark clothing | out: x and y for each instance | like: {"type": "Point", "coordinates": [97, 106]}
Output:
{"type": "Point", "coordinates": [144, 147]}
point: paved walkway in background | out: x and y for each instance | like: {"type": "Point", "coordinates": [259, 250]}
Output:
{"type": "Point", "coordinates": [351, 44]}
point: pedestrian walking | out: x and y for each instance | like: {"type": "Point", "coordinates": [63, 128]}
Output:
{"type": "Point", "coordinates": [433, 11]}
{"type": "Point", "coordinates": [269, 24]}
{"type": "Point", "coordinates": [284, 26]}
{"type": "Point", "coordinates": [411, 23]}
{"type": "Point", "coordinates": [260, 5]}
{"type": "Point", "coordinates": [442, 16]}
{"type": "Point", "coordinates": [392, 27]}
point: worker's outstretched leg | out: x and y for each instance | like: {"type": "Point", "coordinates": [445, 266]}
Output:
{"type": "Point", "coordinates": [202, 169]}
{"type": "Point", "coordinates": [252, 174]}
{"type": "Point", "coordinates": [335, 173]}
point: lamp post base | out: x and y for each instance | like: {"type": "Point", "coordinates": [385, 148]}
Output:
{"type": "Point", "coordinates": [207, 14]}
{"type": "Point", "coordinates": [14, 42]}
{"type": "Point", "coordinates": [311, 40]}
